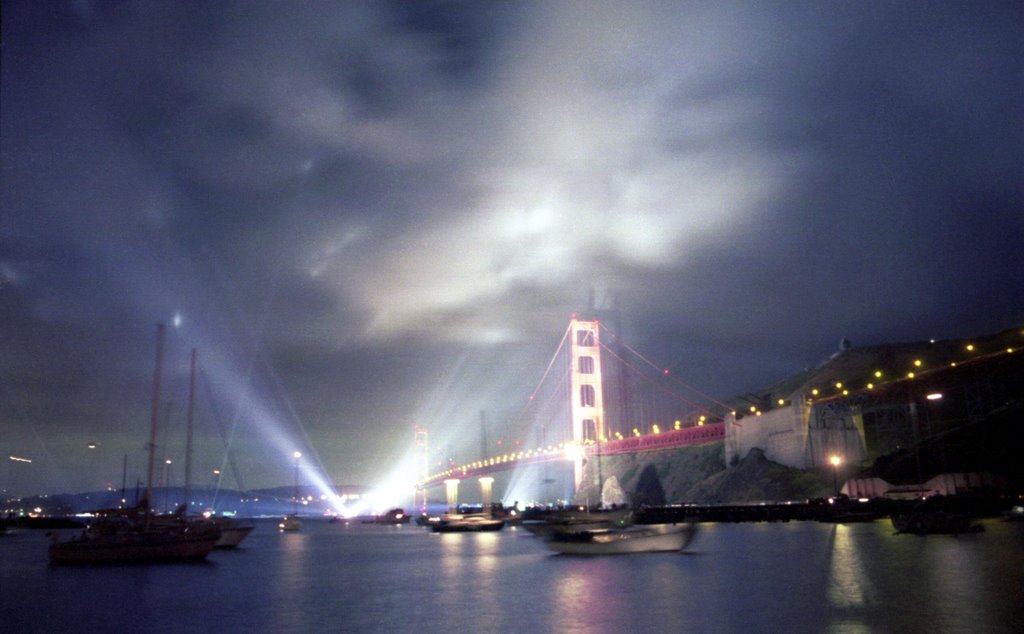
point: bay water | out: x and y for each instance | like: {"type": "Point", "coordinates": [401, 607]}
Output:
{"type": "Point", "coordinates": [767, 577]}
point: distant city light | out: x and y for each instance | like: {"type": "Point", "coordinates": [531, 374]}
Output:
{"type": "Point", "coordinates": [878, 374]}
{"type": "Point", "coordinates": [970, 347]}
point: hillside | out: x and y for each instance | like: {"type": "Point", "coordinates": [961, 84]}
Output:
{"type": "Point", "coordinates": [981, 428]}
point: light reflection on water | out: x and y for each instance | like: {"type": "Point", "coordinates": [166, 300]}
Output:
{"type": "Point", "coordinates": [794, 577]}
{"type": "Point", "coordinates": [848, 582]}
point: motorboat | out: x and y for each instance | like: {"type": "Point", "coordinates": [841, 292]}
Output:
{"type": "Point", "coordinates": [641, 538]}
{"type": "Point", "coordinates": [472, 523]}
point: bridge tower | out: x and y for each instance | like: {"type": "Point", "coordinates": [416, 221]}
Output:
{"type": "Point", "coordinates": [587, 399]}
{"type": "Point", "coordinates": [422, 461]}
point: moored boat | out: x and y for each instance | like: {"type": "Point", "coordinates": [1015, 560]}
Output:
{"type": "Point", "coordinates": [290, 523]}
{"type": "Point", "coordinates": [130, 542]}
{"type": "Point", "coordinates": [648, 538]}
{"type": "Point", "coordinates": [474, 523]}
{"type": "Point", "coordinates": [136, 534]}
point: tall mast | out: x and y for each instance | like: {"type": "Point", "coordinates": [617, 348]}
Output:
{"type": "Point", "coordinates": [155, 415]}
{"type": "Point", "coordinates": [188, 433]}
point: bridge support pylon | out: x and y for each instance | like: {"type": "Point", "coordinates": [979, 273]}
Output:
{"type": "Point", "coordinates": [451, 490]}
{"type": "Point", "coordinates": [587, 398]}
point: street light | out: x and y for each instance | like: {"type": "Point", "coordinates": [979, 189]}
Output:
{"type": "Point", "coordinates": [836, 461]}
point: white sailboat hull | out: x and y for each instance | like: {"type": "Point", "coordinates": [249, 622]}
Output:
{"type": "Point", "coordinates": [619, 541]}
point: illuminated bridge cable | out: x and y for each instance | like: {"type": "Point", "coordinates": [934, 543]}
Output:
{"type": "Point", "coordinates": [676, 379]}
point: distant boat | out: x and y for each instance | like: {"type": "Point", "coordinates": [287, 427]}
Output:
{"type": "Point", "coordinates": [648, 538]}
{"type": "Point", "coordinates": [472, 523]}
{"type": "Point", "coordinates": [290, 523]}
{"type": "Point", "coordinates": [136, 535]}
{"type": "Point", "coordinates": [394, 516]}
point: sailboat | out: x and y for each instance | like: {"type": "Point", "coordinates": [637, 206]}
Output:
{"type": "Point", "coordinates": [639, 538]}
{"type": "Point", "coordinates": [292, 522]}
{"type": "Point", "coordinates": [135, 534]}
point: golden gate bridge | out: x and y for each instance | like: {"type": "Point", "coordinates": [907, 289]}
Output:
{"type": "Point", "coordinates": [598, 396]}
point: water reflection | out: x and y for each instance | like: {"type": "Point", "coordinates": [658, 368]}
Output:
{"type": "Point", "coordinates": [585, 590]}
{"type": "Point", "coordinates": [470, 567]}
{"type": "Point", "coordinates": [849, 586]}
{"type": "Point", "coordinates": [290, 581]}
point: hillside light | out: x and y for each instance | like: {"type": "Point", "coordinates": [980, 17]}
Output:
{"type": "Point", "coordinates": [970, 347]}
{"type": "Point", "coordinates": [839, 385]}
{"type": "Point", "coordinates": [917, 363]}
{"type": "Point", "coordinates": [782, 402]}
{"type": "Point", "coordinates": [878, 374]}
{"type": "Point", "coordinates": [910, 375]}
{"type": "Point", "coordinates": [814, 391]}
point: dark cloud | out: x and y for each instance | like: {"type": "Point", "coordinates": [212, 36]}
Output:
{"type": "Point", "coordinates": [370, 214]}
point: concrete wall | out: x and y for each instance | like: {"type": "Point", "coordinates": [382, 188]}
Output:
{"type": "Point", "coordinates": [781, 433]}
{"type": "Point", "coordinates": [798, 435]}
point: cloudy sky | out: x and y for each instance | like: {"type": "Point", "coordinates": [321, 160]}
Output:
{"type": "Point", "coordinates": [370, 215]}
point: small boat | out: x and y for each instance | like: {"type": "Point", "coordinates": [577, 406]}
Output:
{"type": "Point", "coordinates": [290, 523]}
{"type": "Point", "coordinates": [647, 538]}
{"type": "Point", "coordinates": [474, 523]}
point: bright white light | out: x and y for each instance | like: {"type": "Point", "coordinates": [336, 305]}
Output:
{"type": "Point", "coordinates": [934, 396]}
{"type": "Point", "coordinates": [177, 320]}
